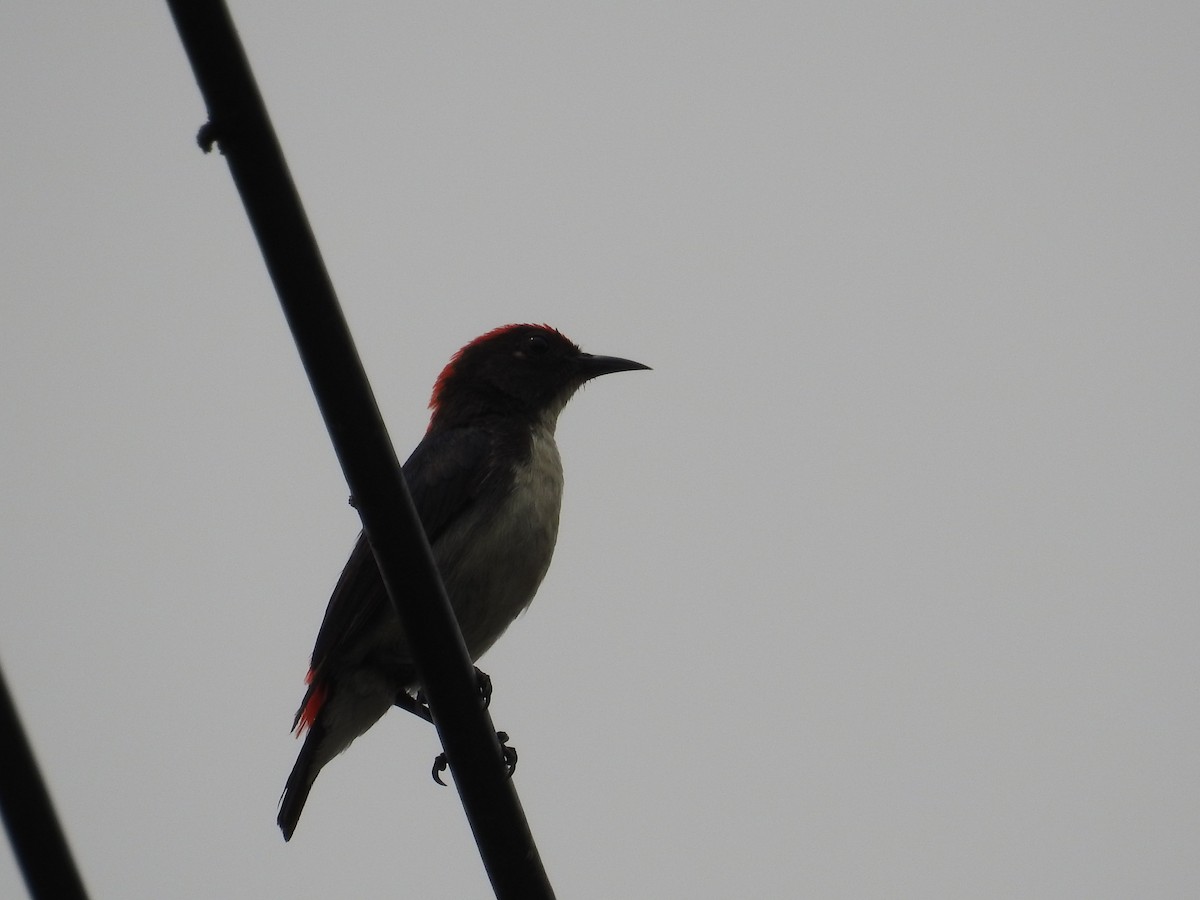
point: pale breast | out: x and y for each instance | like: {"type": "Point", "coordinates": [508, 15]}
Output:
{"type": "Point", "coordinates": [493, 566]}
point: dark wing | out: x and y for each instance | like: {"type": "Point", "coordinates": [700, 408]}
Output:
{"type": "Point", "coordinates": [445, 474]}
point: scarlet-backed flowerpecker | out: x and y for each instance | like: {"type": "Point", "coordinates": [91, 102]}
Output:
{"type": "Point", "coordinates": [487, 483]}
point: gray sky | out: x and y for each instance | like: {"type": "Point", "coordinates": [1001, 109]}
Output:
{"type": "Point", "coordinates": [882, 585]}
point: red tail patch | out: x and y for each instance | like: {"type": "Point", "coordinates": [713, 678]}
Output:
{"type": "Point", "coordinates": [313, 701]}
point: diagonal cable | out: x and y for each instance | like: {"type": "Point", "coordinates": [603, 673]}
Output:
{"type": "Point", "coordinates": [238, 122]}
{"type": "Point", "coordinates": [37, 838]}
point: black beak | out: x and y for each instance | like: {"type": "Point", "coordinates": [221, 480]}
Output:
{"type": "Point", "coordinates": [590, 366]}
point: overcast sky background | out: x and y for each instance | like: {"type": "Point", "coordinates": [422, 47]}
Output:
{"type": "Point", "coordinates": [884, 582]}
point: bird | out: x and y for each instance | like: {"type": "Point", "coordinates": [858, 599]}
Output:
{"type": "Point", "coordinates": [486, 480]}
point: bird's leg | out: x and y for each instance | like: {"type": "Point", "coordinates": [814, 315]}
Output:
{"type": "Point", "coordinates": [415, 705]}
{"type": "Point", "coordinates": [509, 754]}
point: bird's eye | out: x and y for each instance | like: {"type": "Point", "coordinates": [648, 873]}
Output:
{"type": "Point", "coordinates": [536, 345]}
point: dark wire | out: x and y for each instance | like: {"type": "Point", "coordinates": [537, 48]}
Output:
{"type": "Point", "coordinates": [239, 125]}
{"type": "Point", "coordinates": [37, 839]}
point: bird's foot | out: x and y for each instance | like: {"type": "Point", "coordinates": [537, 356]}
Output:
{"type": "Point", "coordinates": [483, 681]}
{"type": "Point", "coordinates": [509, 754]}
{"type": "Point", "coordinates": [440, 764]}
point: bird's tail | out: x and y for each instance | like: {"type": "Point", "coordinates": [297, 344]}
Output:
{"type": "Point", "coordinates": [299, 783]}
{"type": "Point", "coordinates": [332, 720]}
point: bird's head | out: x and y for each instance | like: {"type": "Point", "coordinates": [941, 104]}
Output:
{"type": "Point", "coordinates": [516, 370]}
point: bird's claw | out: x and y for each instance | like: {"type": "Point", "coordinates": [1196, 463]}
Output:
{"type": "Point", "coordinates": [484, 682]}
{"type": "Point", "coordinates": [508, 753]}
{"type": "Point", "coordinates": [440, 764]}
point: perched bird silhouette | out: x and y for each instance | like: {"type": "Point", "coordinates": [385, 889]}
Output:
{"type": "Point", "coordinates": [487, 482]}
